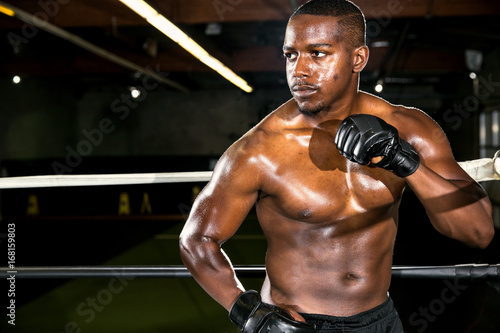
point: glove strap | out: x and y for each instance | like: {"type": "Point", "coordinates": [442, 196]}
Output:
{"type": "Point", "coordinates": [410, 160]}
{"type": "Point", "coordinates": [404, 162]}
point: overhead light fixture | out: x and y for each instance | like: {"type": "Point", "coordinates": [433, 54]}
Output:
{"type": "Point", "coordinates": [134, 92]}
{"type": "Point", "coordinates": [379, 86]}
{"type": "Point", "coordinates": [35, 21]}
{"type": "Point", "coordinates": [213, 29]}
{"type": "Point", "coordinates": [6, 11]}
{"type": "Point", "coordinates": [177, 35]}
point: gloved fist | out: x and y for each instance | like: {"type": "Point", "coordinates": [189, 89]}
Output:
{"type": "Point", "coordinates": [251, 315]}
{"type": "Point", "coordinates": [361, 137]}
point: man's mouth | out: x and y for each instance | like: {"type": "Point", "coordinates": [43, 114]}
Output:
{"type": "Point", "coordinates": [304, 90]}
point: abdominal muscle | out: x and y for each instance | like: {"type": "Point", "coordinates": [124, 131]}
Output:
{"type": "Point", "coordinates": [333, 275]}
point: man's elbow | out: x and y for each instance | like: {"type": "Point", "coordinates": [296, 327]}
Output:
{"type": "Point", "coordinates": [484, 237]}
{"type": "Point", "coordinates": [187, 245]}
{"type": "Point", "coordinates": [487, 238]}
{"type": "Point", "coordinates": [485, 229]}
{"type": "Point", "coordinates": [195, 246]}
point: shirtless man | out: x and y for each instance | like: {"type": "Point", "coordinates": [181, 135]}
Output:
{"type": "Point", "coordinates": [330, 218]}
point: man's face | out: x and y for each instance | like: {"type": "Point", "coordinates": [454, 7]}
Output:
{"type": "Point", "coordinates": [318, 65]}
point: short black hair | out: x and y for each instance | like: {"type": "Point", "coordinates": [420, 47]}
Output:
{"type": "Point", "coordinates": [351, 21]}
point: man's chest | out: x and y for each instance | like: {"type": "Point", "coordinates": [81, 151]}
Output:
{"type": "Point", "coordinates": [300, 187]}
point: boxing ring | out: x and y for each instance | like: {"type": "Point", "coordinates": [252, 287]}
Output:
{"type": "Point", "coordinates": [486, 169]}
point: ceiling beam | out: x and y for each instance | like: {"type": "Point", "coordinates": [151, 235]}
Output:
{"type": "Point", "coordinates": [465, 8]}
{"type": "Point", "coordinates": [254, 59]}
{"type": "Point", "coordinates": [76, 13]}
{"type": "Point", "coordinates": [108, 13]}
{"type": "Point", "coordinates": [205, 11]}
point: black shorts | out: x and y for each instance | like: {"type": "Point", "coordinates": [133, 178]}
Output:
{"type": "Point", "coordinates": [381, 319]}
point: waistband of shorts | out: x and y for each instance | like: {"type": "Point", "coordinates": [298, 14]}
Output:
{"type": "Point", "coordinates": [361, 319]}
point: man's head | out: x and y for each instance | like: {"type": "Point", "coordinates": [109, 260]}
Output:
{"type": "Point", "coordinates": [325, 50]}
{"type": "Point", "coordinates": [351, 21]}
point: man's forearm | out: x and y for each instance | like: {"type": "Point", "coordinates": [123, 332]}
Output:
{"type": "Point", "coordinates": [458, 209]}
{"type": "Point", "coordinates": [211, 268]}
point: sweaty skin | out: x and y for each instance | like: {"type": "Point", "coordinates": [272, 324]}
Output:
{"type": "Point", "coordinates": [330, 224]}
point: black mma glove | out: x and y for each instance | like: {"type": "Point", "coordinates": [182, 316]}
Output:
{"type": "Point", "coordinates": [251, 315]}
{"type": "Point", "coordinates": [361, 137]}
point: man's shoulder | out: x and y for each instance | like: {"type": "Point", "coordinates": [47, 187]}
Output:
{"type": "Point", "coordinates": [413, 125]}
{"type": "Point", "coordinates": [405, 118]}
{"type": "Point", "coordinates": [246, 156]}
{"type": "Point", "coordinates": [269, 128]}
{"type": "Point", "coordinates": [258, 139]}
{"type": "Point", "coordinates": [383, 108]}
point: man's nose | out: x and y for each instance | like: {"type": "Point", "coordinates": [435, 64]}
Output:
{"type": "Point", "coordinates": [302, 67]}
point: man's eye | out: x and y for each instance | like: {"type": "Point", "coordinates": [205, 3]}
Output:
{"type": "Point", "coordinates": [319, 54]}
{"type": "Point", "coordinates": [290, 56]}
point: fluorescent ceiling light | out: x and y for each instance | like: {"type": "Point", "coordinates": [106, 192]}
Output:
{"type": "Point", "coordinates": [6, 11]}
{"type": "Point", "coordinates": [56, 31]}
{"type": "Point", "coordinates": [178, 36]}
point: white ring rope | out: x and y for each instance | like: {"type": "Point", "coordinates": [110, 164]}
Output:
{"type": "Point", "coordinates": [103, 179]}
{"type": "Point", "coordinates": [483, 169]}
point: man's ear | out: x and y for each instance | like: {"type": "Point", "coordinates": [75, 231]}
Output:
{"type": "Point", "coordinates": [360, 58]}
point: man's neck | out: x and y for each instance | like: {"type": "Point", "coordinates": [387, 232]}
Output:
{"type": "Point", "coordinates": [339, 111]}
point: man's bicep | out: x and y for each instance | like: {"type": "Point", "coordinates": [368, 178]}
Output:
{"type": "Point", "coordinates": [223, 204]}
{"type": "Point", "coordinates": [436, 154]}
